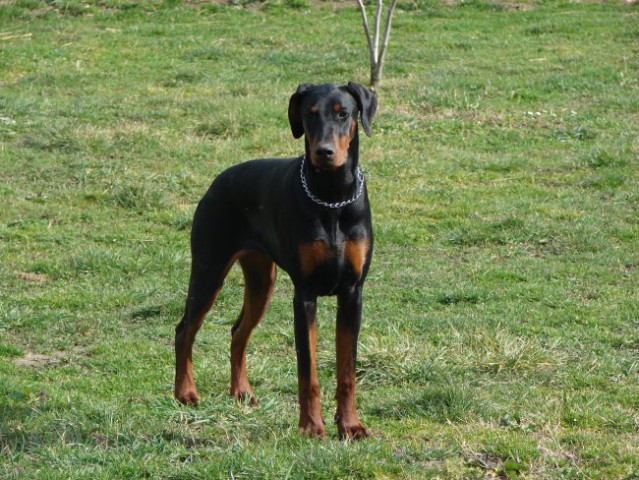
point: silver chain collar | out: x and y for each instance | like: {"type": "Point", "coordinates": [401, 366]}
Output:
{"type": "Point", "coordinates": [360, 189]}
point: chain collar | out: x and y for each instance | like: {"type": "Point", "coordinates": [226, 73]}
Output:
{"type": "Point", "coordinates": [360, 189]}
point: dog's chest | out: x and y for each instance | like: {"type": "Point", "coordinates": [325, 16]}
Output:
{"type": "Point", "coordinates": [334, 258]}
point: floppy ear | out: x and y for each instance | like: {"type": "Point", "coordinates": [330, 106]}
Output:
{"type": "Point", "coordinates": [367, 103]}
{"type": "Point", "coordinates": [294, 113]}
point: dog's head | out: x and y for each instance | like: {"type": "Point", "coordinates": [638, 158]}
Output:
{"type": "Point", "coordinates": [327, 114]}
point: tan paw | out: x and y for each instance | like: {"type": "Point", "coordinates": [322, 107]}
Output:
{"type": "Point", "coordinates": [312, 428]}
{"type": "Point", "coordinates": [352, 430]}
{"type": "Point", "coordinates": [187, 397]}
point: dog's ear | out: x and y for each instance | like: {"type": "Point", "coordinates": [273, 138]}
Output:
{"type": "Point", "coordinates": [367, 103]}
{"type": "Point", "coordinates": [294, 109]}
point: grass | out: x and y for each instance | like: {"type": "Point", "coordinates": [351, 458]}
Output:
{"type": "Point", "coordinates": [500, 336]}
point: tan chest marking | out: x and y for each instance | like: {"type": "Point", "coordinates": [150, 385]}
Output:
{"type": "Point", "coordinates": [356, 251]}
{"type": "Point", "coordinates": [312, 255]}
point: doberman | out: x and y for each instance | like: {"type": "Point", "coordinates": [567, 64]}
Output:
{"type": "Point", "coordinates": [309, 215]}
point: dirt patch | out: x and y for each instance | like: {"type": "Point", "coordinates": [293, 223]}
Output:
{"type": "Point", "coordinates": [38, 360]}
{"type": "Point", "coordinates": [31, 277]}
{"type": "Point", "coordinates": [53, 359]}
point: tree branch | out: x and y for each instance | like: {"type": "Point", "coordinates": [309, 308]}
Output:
{"type": "Point", "coordinates": [371, 50]}
{"type": "Point", "coordinates": [378, 17]}
{"type": "Point", "coordinates": [387, 29]}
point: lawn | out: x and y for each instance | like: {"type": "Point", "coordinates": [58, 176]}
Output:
{"type": "Point", "coordinates": [501, 320]}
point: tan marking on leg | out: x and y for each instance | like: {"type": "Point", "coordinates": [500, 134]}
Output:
{"type": "Point", "coordinates": [348, 423]}
{"type": "Point", "coordinates": [259, 277]}
{"type": "Point", "coordinates": [356, 252]}
{"type": "Point", "coordinates": [184, 390]}
{"type": "Point", "coordinates": [311, 422]}
{"type": "Point", "coordinates": [312, 255]}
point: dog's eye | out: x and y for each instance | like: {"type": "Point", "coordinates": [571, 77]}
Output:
{"type": "Point", "coordinates": [342, 114]}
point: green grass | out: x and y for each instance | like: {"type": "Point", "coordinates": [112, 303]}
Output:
{"type": "Point", "coordinates": [501, 330]}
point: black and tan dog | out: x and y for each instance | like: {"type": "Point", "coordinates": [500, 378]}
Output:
{"type": "Point", "coordinates": [310, 216]}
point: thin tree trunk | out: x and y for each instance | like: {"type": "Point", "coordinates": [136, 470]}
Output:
{"type": "Point", "coordinates": [376, 78]}
{"type": "Point", "coordinates": [377, 54]}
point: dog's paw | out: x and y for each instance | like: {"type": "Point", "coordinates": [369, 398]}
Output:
{"type": "Point", "coordinates": [352, 430]}
{"type": "Point", "coordinates": [187, 397]}
{"type": "Point", "coordinates": [245, 396]}
{"type": "Point", "coordinates": [312, 428]}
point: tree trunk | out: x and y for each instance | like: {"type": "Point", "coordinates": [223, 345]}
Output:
{"type": "Point", "coordinates": [376, 77]}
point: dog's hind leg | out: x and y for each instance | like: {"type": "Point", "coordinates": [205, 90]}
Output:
{"type": "Point", "coordinates": [213, 253]}
{"type": "Point", "coordinates": [259, 277]}
{"type": "Point", "coordinates": [204, 286]}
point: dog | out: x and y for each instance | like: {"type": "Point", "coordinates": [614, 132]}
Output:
{"type": "Point", "coordinates": [309, 215]}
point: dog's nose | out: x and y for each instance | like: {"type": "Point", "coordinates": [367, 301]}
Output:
{"type": "Point", "coordinates": [324, 151]}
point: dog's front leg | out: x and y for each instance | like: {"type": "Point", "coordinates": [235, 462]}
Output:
{"type": "Point", "coordinates": [349, 318]}
{"type": "Point", "coordinates": [305, 310]}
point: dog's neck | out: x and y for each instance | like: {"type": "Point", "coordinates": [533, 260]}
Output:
{"type": "Point", "coordinates": [335, 185]}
